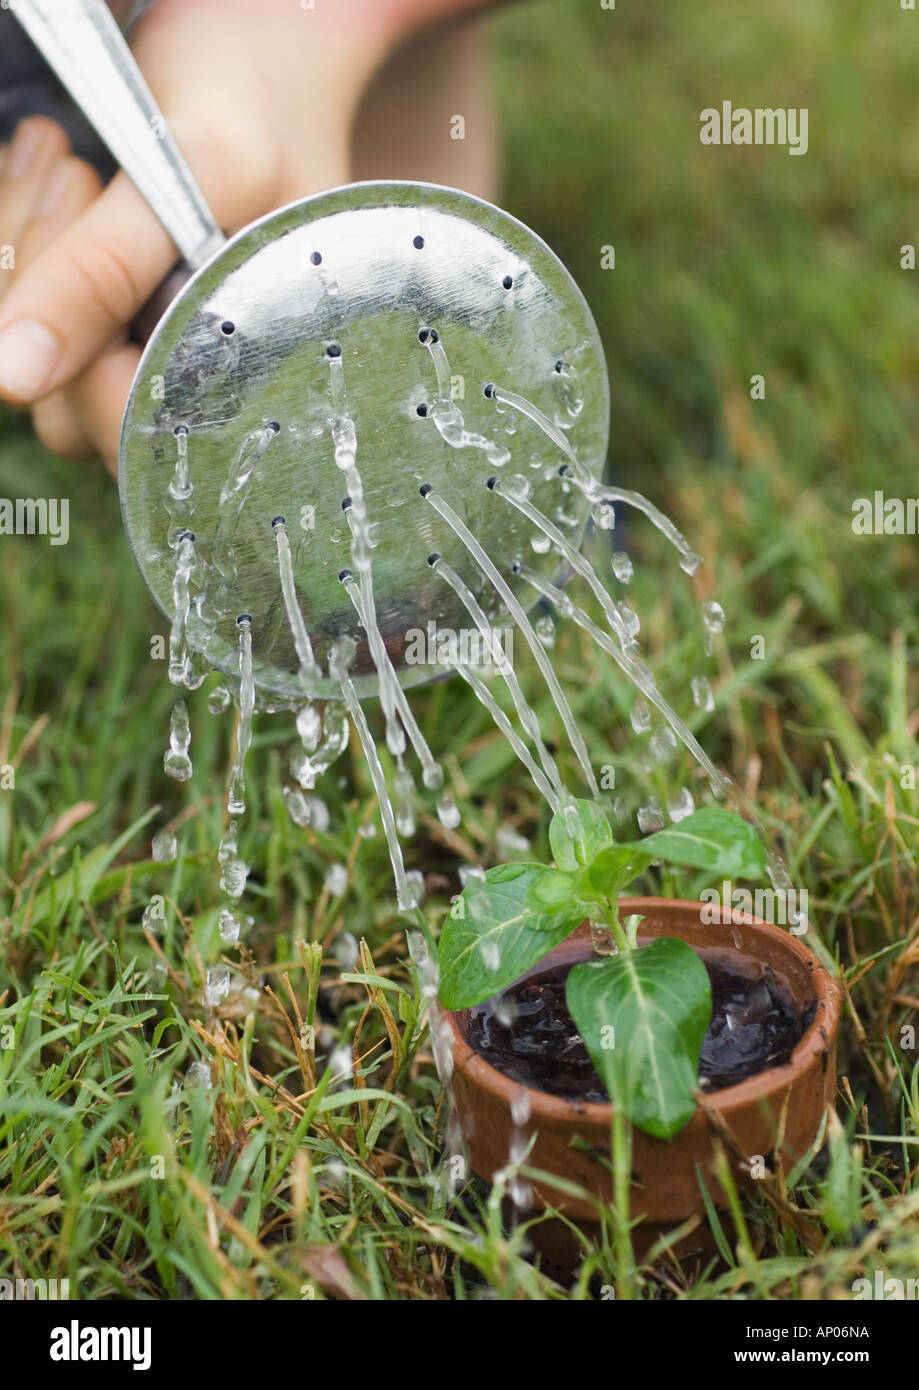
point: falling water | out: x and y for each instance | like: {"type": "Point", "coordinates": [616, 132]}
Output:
{"type": "Point", "coordinates": [236, 796]}
{"type": "Point", "coordinates": [164, 847]}
{"type": "Point", "coordinates": [447, 415]}
{"type": "Point", "coordinates": [637, 671]}
{"type": "Point", "coordinates": [233, 496]}
{"type": "Point", "coordinates": [622, 566]}
{"type": "Point", "coordinates": [179, 493]}
{"type": "Point", "coordinates": [506, 593]}
{"type": "Point", "coordinates": [525, 713]}
{"type": "Point", "coordinates": [702, 695]}
{"type": "Point", "coordinates": [485, 696]}
{"type": "Point", "coordinates": [218, 701]}
{"type": "Point", "coordinates": [344, 438]}
{"type": "Point", "coordinates": [340, 659]}
{"type": "Point", "coordinates": [309, 727]}
{"type": "Point", "coordinates": [229, 926]}
{"type": "Point", "coordinates": [177, 763]}
{"type": "Point", "coordinates": [179, 665]}
{"type": "Point", "coordinates": [597, 493]}
{"type": "Point", "coordinates": [309, 671]}
{"type": "Point", "coordinates": [431, 772]}
{"type": "Point", "coordinates": [297, 805]}
{"type": "Point", "coordinates": [503, 396]}
{"type": "Point", "coordinates": [404, 788]}
{"type": "Point", "coordinates": [712, 622]}
{"type": "Point", "coordinates": [306, 767]}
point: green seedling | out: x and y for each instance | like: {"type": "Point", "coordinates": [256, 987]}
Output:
{"type": "Point", "coordinates": [643, 1012]}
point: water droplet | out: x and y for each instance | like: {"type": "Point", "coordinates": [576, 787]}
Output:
{"type": "Point", "coordinates": [341, 655]}
{"type": "Point", "coordinates": [309, 727]}
{"type": "Point", "coordinates": [490, 952]}
{"type": "Point", "coordinates": [176, 762]}
{"type": "Point", "coordinates": [230, 926]}
{"type": "Point", "coordinates": [334, 1173]}
{"type": "Point", "coordinates": [415, 880]}
{"type": "Point", "coordinates": [404, 802]}
{"type": "Point", "coordinates": [602, 939]}
{"type": "Point", "coordinates": [520, 1106]}
{"type": "Point", "coordinates": [650, 817]}
{"type": "Point", "coordinates": [319, 813]}
{"type": "Point", "coordinates": [506, 1011]}
{"type": "Point", "coordinates": [198, 1077]}
{"type": "Point", "coordinates": [341, 1063]}
{"type": "Point", "coordinates": [367, 830]}
{"type": "Point", "coordinates": [164, 847]}
{"type": "Point", "coordinates": [218, 701]}
{"type": "Point", "coordinates": [510, 842]}
{"type": "Point", "coordinates": [197, 671]}
{"type": "Point", "coordinates": [516, 486]}
{"type": "Point", "coordinates": [712, 622]}
{"type": "Point", "coordinates": [433, 777]}
{"type": "Point", "coordinates": [662, 744]}
{"type": "Point", "coordinates": [630, 619]}
{"type": "Point", "coordinates": [540, 543]}
{"type": "Point", "coordinates": [448, 813]}
{"type": "Point", "coordinates": [622, 566]}
{"type": "Point", "coordinates": [641, 716]}
{"type": "Point", "coordinates": [346, 951]}
{"type": "Point", "coordinates": [702, 696]}
{"type": "Point", "coordinates": [154, 918]}
{"type": "Point", "coordinates": [218, 984]}
{"type": "Point", "coordinates": [568, 394]}
{"type": "Point", "coordinates": [336, 879]}
{"type": "Point", "coordinates": [233, 876]}
{"type": "Point", "coordinates": [545, 630]}
{"type": "Point", "coordinates": [563, 603]}
{"type": "Point", "coordinates": [681, 805]}
{"type": "Point", "coordinates": [297, 807]}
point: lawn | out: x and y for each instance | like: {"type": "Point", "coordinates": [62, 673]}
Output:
{"type": "Point", "coordinates": [152, 1146]}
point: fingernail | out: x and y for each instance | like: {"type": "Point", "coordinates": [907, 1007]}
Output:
{"type": "Point", "coordinates": [53, 188]}
{"type": "Point", "coordinates": [25, 146]}
{"type": "Point", "coordinates": [28, 354]}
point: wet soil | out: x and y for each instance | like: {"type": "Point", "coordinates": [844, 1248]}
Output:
{"type": "Point", "coordinates": [528, 1034]}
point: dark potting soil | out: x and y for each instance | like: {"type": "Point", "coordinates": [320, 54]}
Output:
{"type": "Point", "coordinates": [528, 1034]}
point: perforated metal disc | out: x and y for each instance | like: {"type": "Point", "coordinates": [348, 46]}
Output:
{"type": "Point", "coordinates": [246, 345]}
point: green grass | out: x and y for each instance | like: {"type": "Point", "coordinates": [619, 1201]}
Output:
{"type": "Point", "coordinates": [284, 1177]}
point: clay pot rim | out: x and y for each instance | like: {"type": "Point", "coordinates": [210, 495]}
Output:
{"type": "Point", "coordinates": [817, 1038]}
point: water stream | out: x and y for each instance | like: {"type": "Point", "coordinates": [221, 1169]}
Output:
{"type": "Point", "coordinates": [236, 796]}
{"type": "Point", "coordinates": [525, 712]}
{"type": "Point", "coordinates": [340, 659]}
{"type": "Point", "coordinates": [324, 735]}
{"type": "Point", "coordinates": [514, 607]}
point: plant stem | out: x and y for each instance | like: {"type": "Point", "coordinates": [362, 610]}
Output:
{"type": "Point", "coordinates": [611, 915]}
{"type": "Point", "coordinates": [621, 1138]}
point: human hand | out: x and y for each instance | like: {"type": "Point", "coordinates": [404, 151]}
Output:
{"type": "Point", "coordinates": [259, 98]}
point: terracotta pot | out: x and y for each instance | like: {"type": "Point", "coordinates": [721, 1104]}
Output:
{"type": "Point", "coordinates": [776, 1114]}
